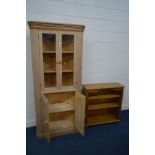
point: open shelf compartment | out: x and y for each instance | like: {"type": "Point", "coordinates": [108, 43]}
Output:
{"type": "Point", "coordinates": [60, 102]}
{"type": "Point", "coordinates": [103, 116]}
{"type": "Point", "coordinates": [60, 121]}
{"type": "Point", "coordinates": [60, 125]}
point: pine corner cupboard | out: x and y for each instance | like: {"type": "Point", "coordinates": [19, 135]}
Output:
{"type": "Point", "coordinates": [57, 61]}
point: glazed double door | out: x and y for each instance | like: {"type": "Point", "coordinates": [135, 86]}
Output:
{"type": "Point", "coordinates": [58, 52]}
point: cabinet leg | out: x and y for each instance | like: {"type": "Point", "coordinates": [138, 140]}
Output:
{"type": "Point", "coordinates": [49, 137]}
{"type": "Point", "coordinates": [49, 141]}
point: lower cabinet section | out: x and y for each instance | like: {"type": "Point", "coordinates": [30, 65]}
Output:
{"type": "Point", "coordinates": [64, 113]}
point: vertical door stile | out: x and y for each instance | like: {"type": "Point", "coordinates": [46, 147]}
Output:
{"type": "Point", "coordinates": [41, 60]}
{"type": "Point", "coordinates": [57, 61]}
{"type": "Point", "coordinates": [75, 58]}
{"type": "Point", "coordinates": [60, 58]}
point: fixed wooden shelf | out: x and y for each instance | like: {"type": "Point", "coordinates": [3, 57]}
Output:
{"type": "Point", "coordinates": [57, 90]}
{"type": "Point", "coordinates": [49, 51]}
{"type": "Point", "coordinates": [67, 51]}
{"type": "Point", "coordinates": [102, 106]}
{"type": "Point", "coordinates": [60, 107]}
{"type": "Point", "coordinates": [109, 118]}
{"type": "Point", "coordinates": [103, 96]}
{"type": "Point", "coordinates": [49, 71]}
{"type": "Point", "coordinates": [67, 71]}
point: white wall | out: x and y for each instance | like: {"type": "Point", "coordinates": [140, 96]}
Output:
{"type": "Point", "coordinates": [106, 47]}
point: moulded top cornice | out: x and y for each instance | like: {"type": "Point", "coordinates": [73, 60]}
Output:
{"type": "Point", "coordinates": [55, 26]}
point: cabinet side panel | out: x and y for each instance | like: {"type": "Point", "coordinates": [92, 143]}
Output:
{"type": "Point", "coordinates": [36, 82]}
{"type": "Point", "coordinates": [121, 99]}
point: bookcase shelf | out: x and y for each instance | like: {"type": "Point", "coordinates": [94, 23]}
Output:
{"type": "Point", "coordinates": [103, 96]}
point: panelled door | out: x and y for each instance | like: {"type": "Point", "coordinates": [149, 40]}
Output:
{"type": "Point", "coordinates": [57, 58]}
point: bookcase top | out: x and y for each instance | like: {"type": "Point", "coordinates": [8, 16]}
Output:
{"type": "Point", "coordinates": [102, 86]}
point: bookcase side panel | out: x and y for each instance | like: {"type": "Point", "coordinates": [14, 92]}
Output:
{"type": "Point", "coordinates": [34, 34]}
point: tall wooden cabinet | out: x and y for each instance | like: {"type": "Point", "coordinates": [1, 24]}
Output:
{"type": "Point", "coordinates": [56, 58]}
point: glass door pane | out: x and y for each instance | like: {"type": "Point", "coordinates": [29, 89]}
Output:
{"type": "Point", "coordinates": [67, 59]}
{"type": "Point", "coordinates": [49, 42]}
{"type": "Point", "coordinates": [49, 59]}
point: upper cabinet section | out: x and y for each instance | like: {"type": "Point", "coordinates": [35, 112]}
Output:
{"type": "Point", "coordinates": [58, 54]}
